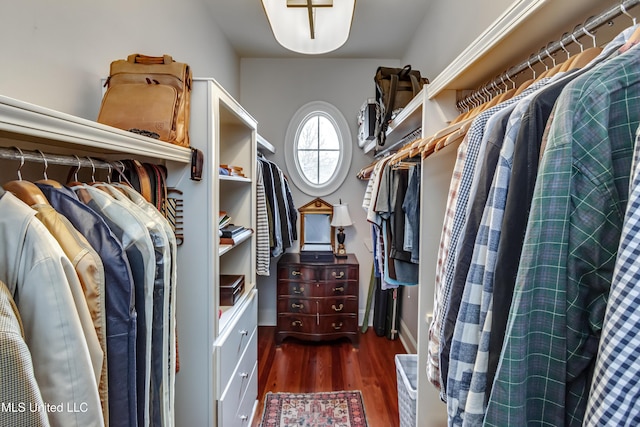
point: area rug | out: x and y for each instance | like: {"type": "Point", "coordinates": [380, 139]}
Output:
{"type": "Point", "coordinates": [335, 409]}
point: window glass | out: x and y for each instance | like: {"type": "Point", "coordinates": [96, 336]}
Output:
{"type": "Point", "coordinates": [318, 148]}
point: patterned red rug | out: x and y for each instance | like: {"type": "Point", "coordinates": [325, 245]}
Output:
{"type": "Point", "coordinates": [335, 409]}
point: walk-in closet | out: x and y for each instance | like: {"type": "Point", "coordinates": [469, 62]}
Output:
{"type": "Point", "coordinates": [271, 213]}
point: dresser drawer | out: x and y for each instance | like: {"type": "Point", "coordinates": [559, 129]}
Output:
{"type": "Point", "coordinates": [303, 323]}
{"type": "Point", "coordinates": [242, 385]}
{"type": "Point", "coordinates": [296, 305]}
{"type": "Point", "coordinates": [296, 289]}
{"type": "Point", "coordinates": [231, 345]}
{"type": "Point", "coordinates": [297, 272]}
{"type": "Point", "coordinates": [337, 273]}
{"type": "Point", "coordinates": [347, 287]}
{"type": "Point", "coordinates": [338, 305]}
{"type": "Point", "coordinates": [337, 323]}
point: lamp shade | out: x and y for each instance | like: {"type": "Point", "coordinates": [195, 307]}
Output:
{"type": "Point", "coordinates": [291, 25]}
{"type": "Point", "coordinates": [341, 216]}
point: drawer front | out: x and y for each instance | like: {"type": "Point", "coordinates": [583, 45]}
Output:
{"type": "Point", "coordinates": [296, 305]}
{"type": "Point", "coordinates": [232, 344]}
{"type": "Point", "coordinates": [338, 273]}
{"type": "Point", "coordinates": [239, 382]}
{"type": "Point", "coordinates": [303, 323]}
{"type": "Point", "coordinates": [341, 288]}
{"type": "Point", "coordinates": [296, 289]}
{"type": "Point", "coordinates": [297, 272]}
{"type": "Point", "coordinates": [334, 324]}
{"type": "Point", "coordinates": [346, 305]}
{"type": "Point", "coordinates": [247, 404]}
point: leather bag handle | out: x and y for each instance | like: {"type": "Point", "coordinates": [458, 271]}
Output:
{"type": "Point", "coordinates": [136, 58]}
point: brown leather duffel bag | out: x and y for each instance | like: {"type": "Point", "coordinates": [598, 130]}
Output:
{"type": "Point", "coordinates": [149, 95]}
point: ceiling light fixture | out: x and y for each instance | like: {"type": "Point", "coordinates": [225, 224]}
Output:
{"type": "Point", "coordinates": [311, 27]}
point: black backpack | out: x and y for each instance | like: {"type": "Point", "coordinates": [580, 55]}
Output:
{"type": "Point", "coordinates": [395, 87]}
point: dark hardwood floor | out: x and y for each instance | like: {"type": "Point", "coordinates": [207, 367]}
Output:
{"type": "Point", "coordinates": [302, 367]}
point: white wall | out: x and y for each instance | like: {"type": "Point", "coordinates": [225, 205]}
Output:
{"type": "Point", "coordinates": [448, 28]}
{"type": "Point", "coordinates": [54, 53]}
{"type": "Point", "coordinates": [272, 91]}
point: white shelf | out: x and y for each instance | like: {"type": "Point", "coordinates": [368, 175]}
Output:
{"type": "Point", "coordinates": [23, 121]}
{"type": "Point", "coordinates": [265, 145]}
{"type": "Point", "coordinates": [232, 178]}
{"type": "Point", "coordinates": [223, 249]}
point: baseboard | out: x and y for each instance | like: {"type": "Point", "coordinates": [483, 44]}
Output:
{"type": "Point", "coordinates": [267, 317]}
{"type": "Point", "coordinates": [407, 339]}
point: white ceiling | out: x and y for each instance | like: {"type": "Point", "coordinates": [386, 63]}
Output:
{"type": "Point", "coordinates": [381, 28]}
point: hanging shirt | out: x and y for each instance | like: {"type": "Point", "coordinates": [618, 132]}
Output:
{"type": "Point", "coordinates": [263, 257]}
{"type": "Point", "coordinates": [569, 251]}
{"type": "Point", "coordinates": [88, 291]}
{"type": "Point", "coordinates": [124, 223]}
{"type": "Point", "coordinates": [18, 387]}
{"type": "Point", "coordinates": [613, 399]}
{"type": "Point", "coordinates": [170, 278]}
{"type": "Point", "coordinates": [455, 224]}
{"type": "Point", "coordinates": [118, 277]}
{"type": "Point", "coordinates": [37, 272]}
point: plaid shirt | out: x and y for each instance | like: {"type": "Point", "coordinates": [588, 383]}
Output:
{"type": "Point", "coordinates": [457, 225]}
{"type": "Point", "coordinates": [470, 346]}
{"type": "Point", "coordinates": [569, 250]}
{"type": "Point", "coordinates": [615, 390]}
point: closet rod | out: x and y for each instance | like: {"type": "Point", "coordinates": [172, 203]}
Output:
{"type": "Point", "coordinates": [13, 153]}
{"type": "Point", "coordinates": [590, 25]}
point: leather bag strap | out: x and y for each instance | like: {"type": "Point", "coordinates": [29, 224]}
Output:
{"type": "Point", "coordinates": [136, 58]}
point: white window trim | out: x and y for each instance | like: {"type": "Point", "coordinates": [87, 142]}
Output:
{"type": "Point", "coordinates": [344, 139]}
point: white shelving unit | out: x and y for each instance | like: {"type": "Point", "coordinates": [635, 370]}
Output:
{"type": "Point", "coordinates": [217, 381]}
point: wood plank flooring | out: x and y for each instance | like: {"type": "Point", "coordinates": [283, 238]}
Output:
{"type": "Point", "coordinates": [301, 367]}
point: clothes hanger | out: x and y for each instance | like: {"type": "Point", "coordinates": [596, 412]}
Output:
{"type": "Point", "coordinates": [46, 179]}
{"type": "Point", "coordinates": [623, 10]}
{"type": "Point", "coordinates": [26, 191]}
{"type": "Point", "coordinates": [524, 85]}
{"type": "Point", "coordinates": [75, 171]}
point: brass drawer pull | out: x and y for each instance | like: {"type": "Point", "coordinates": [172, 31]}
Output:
{"type": "Point", "coordinates": [298, 290]}
{"type": "Point", "coordinates": [296, 323]}
{"type": "Point", "coordinates": [339, 289]}
{"type": "Point", "coordinates": [296, 273]}
{"type": "Point", "coordinates": [339, 308]}
{"type": "Point", "coordinates": [294, 305]}
{"type": "Point", "coordinates": [337, 276]}
{"type": "Point", "coordinates": [337, 326]}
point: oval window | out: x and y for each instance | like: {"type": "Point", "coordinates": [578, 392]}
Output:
{"type": "Point", "coordinates": [316, 148]}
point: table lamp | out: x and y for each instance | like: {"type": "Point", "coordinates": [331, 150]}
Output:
{"type": "Point", "coordinates": [341, 219]}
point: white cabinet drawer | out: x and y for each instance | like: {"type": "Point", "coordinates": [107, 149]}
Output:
{"type": "Point", "coordinates": [241, 385]}
{"type": "Point", "coordinates": [247, 405]}
{"type": "Point", "coordinates": [231, 345]}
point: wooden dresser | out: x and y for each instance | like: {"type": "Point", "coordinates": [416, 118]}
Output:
{"type": "Point", "coordinates": [317, 301]}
